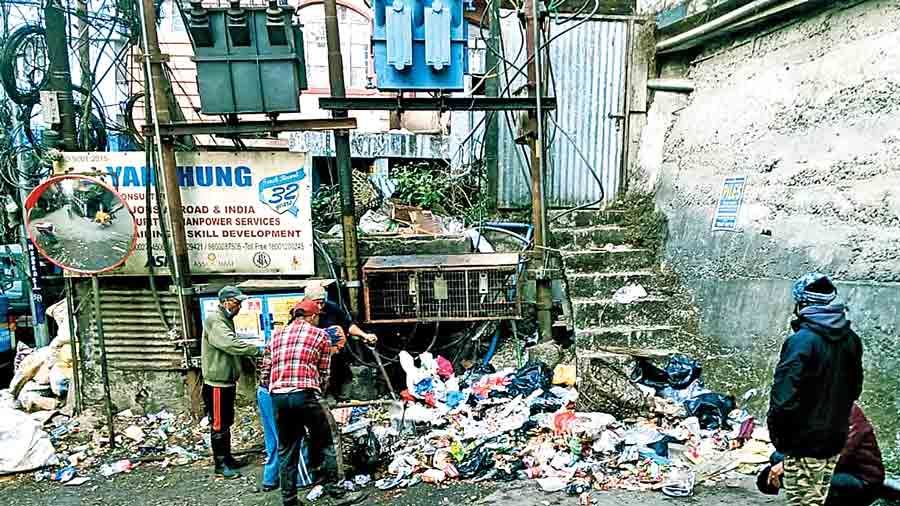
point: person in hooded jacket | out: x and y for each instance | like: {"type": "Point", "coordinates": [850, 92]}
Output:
{"type": "Point", "coordinates": [818, 377]}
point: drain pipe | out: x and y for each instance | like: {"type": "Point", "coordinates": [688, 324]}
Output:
{"type": "Point", "coordinates": [673, 43]}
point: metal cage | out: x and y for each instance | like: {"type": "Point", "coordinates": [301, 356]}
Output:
{"type": "Point", "coordinates": [432, 288]}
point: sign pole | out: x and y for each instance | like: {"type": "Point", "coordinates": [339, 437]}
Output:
{"type": "Point", "coordinates": [104, 367]}
{"type": "Point", "coordinates": [156, 97]}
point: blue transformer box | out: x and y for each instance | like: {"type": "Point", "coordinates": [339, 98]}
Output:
{"type": "Point", "coordinates": [420, 45]}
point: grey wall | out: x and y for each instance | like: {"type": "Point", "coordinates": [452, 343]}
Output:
{"type": "Point", "coordinates": [810, 114]}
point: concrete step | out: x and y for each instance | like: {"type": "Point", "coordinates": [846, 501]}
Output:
{"type": "Point", "coordinates": [586, 218]}
{"type": "Point", "coordinates": [590, 313]}
{"type": "Point", "coordinates": [575, 238]}
{"type": "Point", "coordinates": [618, 259]}
{"type": "Point", "coordinates": [604, 285]}
{"type": "Point", "coordinates": [622, 335]}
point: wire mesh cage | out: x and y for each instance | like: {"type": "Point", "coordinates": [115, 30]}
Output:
{"type": "Point", "coordinates": [431, 288]}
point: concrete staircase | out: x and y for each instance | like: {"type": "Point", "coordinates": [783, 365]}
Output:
{"type": "Point", "coordinates": [597, 261]}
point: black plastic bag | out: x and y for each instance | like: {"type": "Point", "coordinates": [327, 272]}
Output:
{"type": "Point", "coordinates": [545, 403]}
{"type": "Point", "coordinates": [712, 410]}
{"type": "Point", "coordinates": [529, 378]}
{"type": "Point", "coordinates": [682, 371]}
{"type": "Point", "coordinates": [478, 462]}
{"type": "Point", "coordinates": [679, 373]}
{"type": "Point", "coordinates": [367, 455]}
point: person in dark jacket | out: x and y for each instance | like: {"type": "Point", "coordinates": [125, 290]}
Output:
{"type": "Point", "coordinates": [858, 476]}
{"type": "Point", "coordinates": [336, 318]}
{"type": "Point", "coordinates": [818, 377]}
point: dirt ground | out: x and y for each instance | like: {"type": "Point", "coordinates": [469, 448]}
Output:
{"type": "Point", "coordinates": [194, 485]}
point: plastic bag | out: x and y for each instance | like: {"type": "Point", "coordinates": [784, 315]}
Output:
{"type": "Point", "coordinates": [444, 368]}
{"type": "Point", "coordinates": [564, 375]}
{"type": "Point", "coordinates": [478, 462]}
{"type": "Point", "coordinates": [680, 372]}
{"type": "Point", "coordinates": [529, 378]}
{"type": "Point", "coordinates": [711, 409]}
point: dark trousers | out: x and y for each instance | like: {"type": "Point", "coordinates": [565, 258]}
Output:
{"type": "Point", "coordinates": [296, 415]}
{"type": "Point", "coordinates": [219, 403]}
{"type": "Point", "coordinates": [340, 371]}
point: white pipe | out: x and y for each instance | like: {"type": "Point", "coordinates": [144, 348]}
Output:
{"type": "Point", "coordinates": [720, 22]}
{"type": "Point", "coordinates": [675, 85]}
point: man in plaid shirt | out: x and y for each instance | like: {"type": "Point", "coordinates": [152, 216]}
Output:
{"type": "Point", "coordinates": [296, 361]}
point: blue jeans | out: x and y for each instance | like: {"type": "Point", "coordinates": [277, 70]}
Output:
{"type": "Point", "coordinates": [271, 469]}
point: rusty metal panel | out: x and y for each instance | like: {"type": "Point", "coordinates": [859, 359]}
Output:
{"type": "Point", "coordinates": [588, 69]}
{"type": "Point", "coordinates": [433, 288]}
{"type": "Point", "coordinates": [136, 338]}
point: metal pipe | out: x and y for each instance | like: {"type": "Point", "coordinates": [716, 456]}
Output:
{"type": "Point", "coordinates": [104, 365]}
{"type": "Point", "coordinates": [157, 97]}
{"type": "Point", "coordinates": [84, 60]}
{"type": "Point", "coordinates": [74, 343]}
{"type": "Point", "coordinates": [538, 211]}
{"type": "Point", "coordinates": [342, 153]}
{"type": "Point", "coordinates": [738, 14]}
{"type": "Point", "coordinates": [626, 127]}
{"type": "Point", "coordinates": [674, 85]}
{"type": "Point", "coordinates": [492, 128]}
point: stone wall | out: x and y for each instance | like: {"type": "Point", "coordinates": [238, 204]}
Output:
{"type": "Point", "coordinates": [808, 111]}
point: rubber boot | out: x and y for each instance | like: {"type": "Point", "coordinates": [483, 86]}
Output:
{"type": "Point", "coordinates": [223, 471]}
{"type": "Point", "coordinates": [230, 461]}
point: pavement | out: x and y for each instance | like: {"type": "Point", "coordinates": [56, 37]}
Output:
{"type": "Point", "coordinates": [194, 485]}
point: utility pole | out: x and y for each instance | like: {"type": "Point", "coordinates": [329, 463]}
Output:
{"type": "Point", "coordinates": [540, 261]}
{"type": "Point", "coordinates": [84, 60]}
{"type": "Point", "coordinates": [60, 79]}
{"type": "Point", "coordinates": [157, 99]}
{"type": "Point", "coordinates": [491, 89]}
{"type": "Point", "coordinates": [342, 153]}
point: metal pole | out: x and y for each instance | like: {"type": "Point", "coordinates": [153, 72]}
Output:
{"type": "Point", "coordinates": [538, 211]}
{"type": "Point", "coordinates": [60, 76]}
{"type": "Point", "coordinates": [75, 344]}
{"type": "Point", "coordinates": [491, 89]}
{"type": "Point", "coordinates": [104, 366]}
{"type": "Point", "coordinates": [342, 153]}
{"type": "Point", "coordinates": [153, 66]}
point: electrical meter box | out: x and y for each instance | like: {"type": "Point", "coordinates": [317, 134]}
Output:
{"type": "Point", "coordinates": [420, 45]}
{"type": "Point", "coordinates": [249, 59]}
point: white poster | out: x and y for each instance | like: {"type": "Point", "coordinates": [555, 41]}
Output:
{"type": "Point", "coordinates": [244, 213]}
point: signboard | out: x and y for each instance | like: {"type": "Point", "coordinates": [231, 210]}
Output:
{"type": "Point", "coordinates": [244, 213]}
{"type": "Point", "coordinates": [729, 204]}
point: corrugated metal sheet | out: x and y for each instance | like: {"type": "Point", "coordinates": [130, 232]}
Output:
{"type": "Point", "coordinates": [588, 65]}
{"type": "Point", "coordinates": [135, 336]}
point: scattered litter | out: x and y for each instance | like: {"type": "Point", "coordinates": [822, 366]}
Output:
{"type": "Point", "coordinates": [74, 482]}
{"type": "Point", "coordinates": [121, 466]}
{"type": "Point", "coordinates": [315, 493]}
{"type": "Point", "coordinates": [629, 293]}
{"type": "Point", "coordinates": [134, 433]}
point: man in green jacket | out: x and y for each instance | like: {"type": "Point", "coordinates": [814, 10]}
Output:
{"type": "Point", "coordinates": [221, 350]}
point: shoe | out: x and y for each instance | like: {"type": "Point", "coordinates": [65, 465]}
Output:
{"type": "Point", "coordinates": [268, 488]}
{"type": "Point", "coordinates": [227, 473]}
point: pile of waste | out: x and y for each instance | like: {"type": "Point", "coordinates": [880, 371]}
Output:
{"type": "Point", "coordinates": [42, 376]}
{"type": "Point", "coordinates": [521, 425]}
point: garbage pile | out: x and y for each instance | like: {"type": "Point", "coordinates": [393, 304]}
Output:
{"type": "Point", "coordinates": [42, 376]}
{"type": "Point", "coordinates": [521, 425]}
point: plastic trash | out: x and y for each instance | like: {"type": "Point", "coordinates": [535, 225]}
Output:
{"type": "Point", "coordinates": [444, 368]}
{"type": "Point", "coordinates": [711, 410]}
{"type": "Point", "coordinates": [121, 466]}
{"type": "Point", "coordinates": [564, 375]}
{"type": "Point", "coordinates": [577, 487]}
{"type": "Point", "coordinates": [564, 421]}
{"type": "Point", "coordinates": [680, 372]}
{"type": "Point", "coordinates": [315, 493]}
{"type": "Point", "coordinates": [552, 484]}
{"type": "Point", "coordinates": [65, 474]}
{"type": "Point", "coordinates": [680, 484]}
{"type": "Point", "coordinates": [134, 433]}
{"type": "Point", "coordinates": [630, 293]}
{"type": "Point", "coordinates": [454, 399]}
{"type": "Point", "coordinates": [362, 480]}
{"type": "Point", "coordinates": [529, 378]}
{"type": "Point", "coordinates": [434, 476]}
{"type": "Point", "coordinates": [478, 462]}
